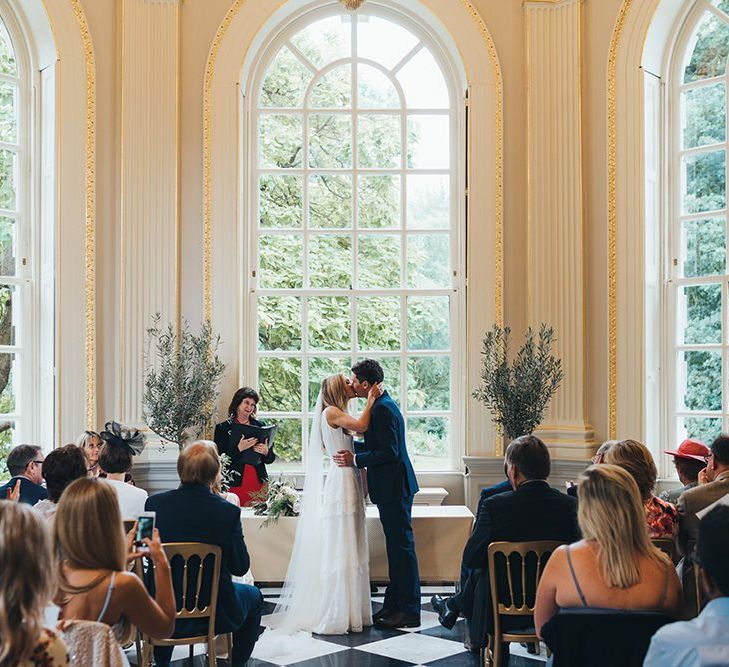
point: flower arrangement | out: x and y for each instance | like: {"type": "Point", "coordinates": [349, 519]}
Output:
{"type": "Point", "coordinates": [276, 499]}
{"type": "Point", "coordinates": [227, 473]}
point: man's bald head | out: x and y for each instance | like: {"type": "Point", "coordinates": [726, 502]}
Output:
{"type": "Point", "coordinates": [198, 463]}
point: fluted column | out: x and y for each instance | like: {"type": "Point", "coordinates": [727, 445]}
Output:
{"type": "Point", "coordinates": [149, 183]}
{"type": "Point", "coordinates": [555, 225]}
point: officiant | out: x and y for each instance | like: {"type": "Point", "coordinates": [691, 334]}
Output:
{"type": "Point", "coordinates": [248, 456]}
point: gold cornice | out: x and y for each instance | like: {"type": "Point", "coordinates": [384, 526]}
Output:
{"type": "Point", "coordinates": [612, 151]}
{"type": "Point", "coordinates": [90, 214]}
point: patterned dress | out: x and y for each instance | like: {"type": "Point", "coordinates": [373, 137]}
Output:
{"type": "Point", "coordinates": [662, 518]}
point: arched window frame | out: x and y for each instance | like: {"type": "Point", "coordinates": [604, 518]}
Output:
{"type": "Point", "coordinates": [252, 79]}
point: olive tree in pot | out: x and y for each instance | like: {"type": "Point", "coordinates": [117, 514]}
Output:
{"type": "Point", "coordinates": [518, 391]}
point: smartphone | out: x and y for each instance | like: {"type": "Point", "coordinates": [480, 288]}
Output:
{"type": "Point", "coordinates": [145, 528]}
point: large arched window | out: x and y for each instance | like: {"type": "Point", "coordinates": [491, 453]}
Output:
{"type": "Point", "coordinates": [354, 238]}
{"type": "Point", "coordinates": [698, 272]}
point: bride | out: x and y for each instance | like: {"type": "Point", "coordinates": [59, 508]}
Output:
{"type": "Point", "coordinates": [327, 588]}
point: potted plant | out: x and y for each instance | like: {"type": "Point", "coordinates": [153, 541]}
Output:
{"type": "Point", "coordinates": [518, 391]}
{"type": "Point", "coordinates": [182, 374]}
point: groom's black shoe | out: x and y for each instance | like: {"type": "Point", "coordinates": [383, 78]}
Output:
{"type": "Point", "coordinates": [380, 614]}
{"type": "Point", "coordinates": [447, 617]}
{"type": "Point", "coordinates": [399, 619]}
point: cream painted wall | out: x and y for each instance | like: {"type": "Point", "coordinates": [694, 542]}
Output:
{"type": "Point", "coordinates": [505, 20]}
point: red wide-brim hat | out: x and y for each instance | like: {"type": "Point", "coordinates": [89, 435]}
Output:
{"type": "Point", "coordinates": [690, 449]}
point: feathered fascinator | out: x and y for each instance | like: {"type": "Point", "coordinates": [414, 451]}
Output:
{"type": "Point", "coordinates": [129, 439]}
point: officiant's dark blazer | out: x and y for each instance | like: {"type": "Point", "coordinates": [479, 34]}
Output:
{"type": "Point", "coordinates": [222, 440]}
{"type": "Point", "coordinates": [390, 474]}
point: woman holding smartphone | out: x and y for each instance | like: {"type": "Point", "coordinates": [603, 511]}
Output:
{"type": "Point", "coordinates": [93, 553]}
{"type": "Point", "coordinates": [248, 478]}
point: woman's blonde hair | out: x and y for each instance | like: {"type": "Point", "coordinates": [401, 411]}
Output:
{"type": "Point", "coordinates": [634, 457]}
{"type": "Point", "coordinates": [88, 531]}
{"type": "Point", "coordinates": [334, 392]}
{"type": "Point", "coordinates": [611, 513]}
{"type": "Point", "coordinates": [27, 580]}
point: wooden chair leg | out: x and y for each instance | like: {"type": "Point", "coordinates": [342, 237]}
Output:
{"type": "Point", "coordinates": [146, 653]}
{"type": "Point", "coordinates": [229, 643]}
{"type": "Point", "coordinates": [496, 653]}
{"type": "Point", "coordinates": [192, 653]}
{"type": "Point", "coordinates": [212, 660]}
{"type": "Point", "coordinates": [138, 647]}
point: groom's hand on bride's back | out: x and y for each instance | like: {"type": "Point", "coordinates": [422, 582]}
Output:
{"type": "Point", "coordinates": [344, 458]}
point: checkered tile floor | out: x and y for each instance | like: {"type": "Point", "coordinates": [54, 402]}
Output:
{"type": "Point", "coordinates": [429, 644]}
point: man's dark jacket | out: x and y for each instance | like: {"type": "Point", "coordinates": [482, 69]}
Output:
{"type": "Point", "coordinates": [30, 492]}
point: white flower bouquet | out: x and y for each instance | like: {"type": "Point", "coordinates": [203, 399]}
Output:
{"type": "Point", "coordinates": [277, 498]}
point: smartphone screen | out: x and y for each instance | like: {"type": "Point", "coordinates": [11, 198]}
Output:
{"type": "Point", "coordinates": [145, 528]}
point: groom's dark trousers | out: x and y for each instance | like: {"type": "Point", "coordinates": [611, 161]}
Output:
{"type": "Point", "coordinates": [392, 486]}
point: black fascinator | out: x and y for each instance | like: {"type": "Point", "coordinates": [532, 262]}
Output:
{"type": "Point", "coordinates": [129, 439]}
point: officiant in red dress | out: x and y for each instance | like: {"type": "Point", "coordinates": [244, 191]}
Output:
{"type": "Point", "coordinates": [247, 478]}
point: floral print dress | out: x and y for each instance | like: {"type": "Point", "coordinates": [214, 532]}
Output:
{"type": "Point", "coordinates": [662, 518]}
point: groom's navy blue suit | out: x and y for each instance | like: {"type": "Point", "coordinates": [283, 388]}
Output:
{"type": "Point", "coordinates": [392, 485]}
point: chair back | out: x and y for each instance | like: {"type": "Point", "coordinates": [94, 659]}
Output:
{"type": "Point", "coordinates": [92, 643]}
{"type": "Point", "coordinates": [195, 570]}
{"type": "Point", "coordinates": [668, 546]}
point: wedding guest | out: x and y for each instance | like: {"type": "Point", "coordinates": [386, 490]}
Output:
{"type": "Point", "coordinates": [94, 582]}
{"type": "Point", "coordinates": [61, 467]}
{"type": "Point", "coordinates": [702, 641]}
{"type": "Point", "coordinates": [248, 478]}
{"type": "Point", "coordinates": [689, 460]}
{"type": "Point", "coordinates": [598, 458]}
{"type": "Point", "coordinates": [25, 465]}
{"type": "Point", "coordinates": [634, 457]}
{"type": "Point", "coordinates": [115, 459]}
{"type": "Point", "coordinates": [27, 584]}
{"type": "Point", "coordinates": [90, 442]}
{"type": "Point", "coordinates": [193, 513]}
{"type": "Point", "coordinates": [615, 565]}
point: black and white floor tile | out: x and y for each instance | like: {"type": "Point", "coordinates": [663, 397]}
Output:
{"type": "Point", "coordinates": [430, 644]}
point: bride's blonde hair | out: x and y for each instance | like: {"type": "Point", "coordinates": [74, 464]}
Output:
{"type": "Point", "coordinates": [334, 392]}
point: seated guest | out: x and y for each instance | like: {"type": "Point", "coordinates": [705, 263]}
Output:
{"type": "Point", "coordinates": [689, 460]}
{"type": "Point", "coordinates": [614, 566]}
{"type": "Point", "coordinates": [598, 458]}
{"type": "Point", "coordinates": [25, 465]}
{"type": "Point", "coordinates": [532, 511]}
{"type": "Point", "coordinates": [94, 582]}
{"type": "Point", "coordinates": [60, 468]}
{"type": "Point", "coordinates": [249, 478]}
{"type": "Point", "coordinates": [193, 513]}
{"type": "Point", "coordinates": [702, 641]}
{"type": "Point", "coordinates": [90, 442]}
{"type": "Point", "coordinates": [27, 585]}
{"type": "Point", "coordinates": [634, 457]}
{"type": "Point", "coordinates": [115, 459]}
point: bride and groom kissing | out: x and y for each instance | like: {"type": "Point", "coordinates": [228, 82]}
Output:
{"type": "Point", "coordinates": [327, 588]}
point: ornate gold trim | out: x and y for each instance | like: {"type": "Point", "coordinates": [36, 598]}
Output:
{"type": "Point", "coordinates": [612, 156]}
{"type": "Point", "coordinates": [90, 226]}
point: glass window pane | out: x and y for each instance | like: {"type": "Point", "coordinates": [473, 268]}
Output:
{"type": "Point", "coordinates": [428, 142]}
{"type": "Point", "coordinates": [428, 441]}
{"type": "Point", "coordinates": [379, 202]}
{"type": "Point", "coordinates": [280, 201]}
{"type": "Point", "coordinates": [330, 323]}
{"type": "Point", "coordinates": [8, 375]}
{"type": "Point", "coordinates": [321, 368]}
{"type": "Point", "coordinates": [700, 379]}
{"type": "Point", "coordinates": [288, 444]}
{"type": "Point", "coordinates": [334, 89]}
{"type": "Point", "coordinates": [429, 261]}
{"type": "Point", "coordinates": [8, 316]}
{"type": "Point", "coordinates": [379, 261]}
{"type": "Point", "coordinates": [429, 383]}
{"type": "Point", "coordinates": [330, 261]}
{"type": "Point", "coordinates": [330, 141]}
{"type": "Point", "coordinates": [704, 429]}
{"type": "Point", "coordinates": [423, 82]}
{"type": "Point", "coordinates": [279, 323]}
{"type": "Point", "coordinates": [375, 90]}
{"type": "Point", "coordinates": [7, 437]}
{"type": "Point", "coordinates": [379, 141]}
{"type": "Point", "coordinates": [704, 247]}
{"type": "Point", "coordinates": [704, 115]}
{"type": "Point", "coordinates": [280, 141]}
{"type": "Point", "coordinates": [281, 259]}
{"type": "Point", "coordinates": [699, 308]}
{"type": "Point", "coordinates": [378, 323]}
{"type": "Point", "coordinates": [279, 383]}
{"type": "Point", "coordinates": [8, 179]}
{"type": "Point", "coordinates": [391, 383]}
{"type": "Point", "coordinates": [7, 246]}
{"type": "Point", "coordinates": [382, 40]}
{"type": "Point", "coordinates": [428, 201]}
{"type": "Point", "coordinates": [429, 324]}
{"type": "Point", "coordinates": [7, 54]}
{"type": "Point", "coordinates": [705, 182]}
{"type": "Point", "coordinates": [325, 41]}
{"type": "Point", "coordinates": [330, 202]}
{"type": "Point", "coordinates": [710, 51]}
{"type": "Point", "coordinates": [722, 4]}
{"type": "Point", "coordinates": [285, 82]}
{"type": "Point", "coordinates": [8, 112]}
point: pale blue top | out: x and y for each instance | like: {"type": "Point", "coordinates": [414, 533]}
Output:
{"type": "Point", "coordinates": [700, 642]}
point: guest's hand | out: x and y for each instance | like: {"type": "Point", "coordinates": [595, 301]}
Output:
{"type": "Point", "coordinates": [131, 553]}
{"type": "Point", "coordinates": [344, 458]}
{"type": "Point", "coordinates": [261, 448]}
{"type": "Point", "coordinates": [703, 477]}
{"type": "Point", "coordinates": [14, 493]}
{"type": "Point", "coordinates": [156, 551]}
{"type": "Point", "coordinates": [246, 443]}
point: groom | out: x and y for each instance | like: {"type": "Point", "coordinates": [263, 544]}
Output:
{"type": "Point", "coordinates": [392, 485]}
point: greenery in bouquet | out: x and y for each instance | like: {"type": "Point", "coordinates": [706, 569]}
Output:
{"type": "Point", "coordinates": [277, 498]}
{"type": "Point", "coordinates": [227, 474]}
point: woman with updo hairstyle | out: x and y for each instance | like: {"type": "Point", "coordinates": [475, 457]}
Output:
{"type": "Point", "coordinates": [247, 478]}
{"type": "Point", "coordinates": [90, 443]}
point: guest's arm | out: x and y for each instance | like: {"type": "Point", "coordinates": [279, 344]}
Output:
{"type": "Point", "coordinates": [682, 538]}
{"type": "Point", "coordinates": [475, 551]}
{"type": "Point", "coordinates": [239, 561]}
{"type": "Point", "coordinates": [546, 603]}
